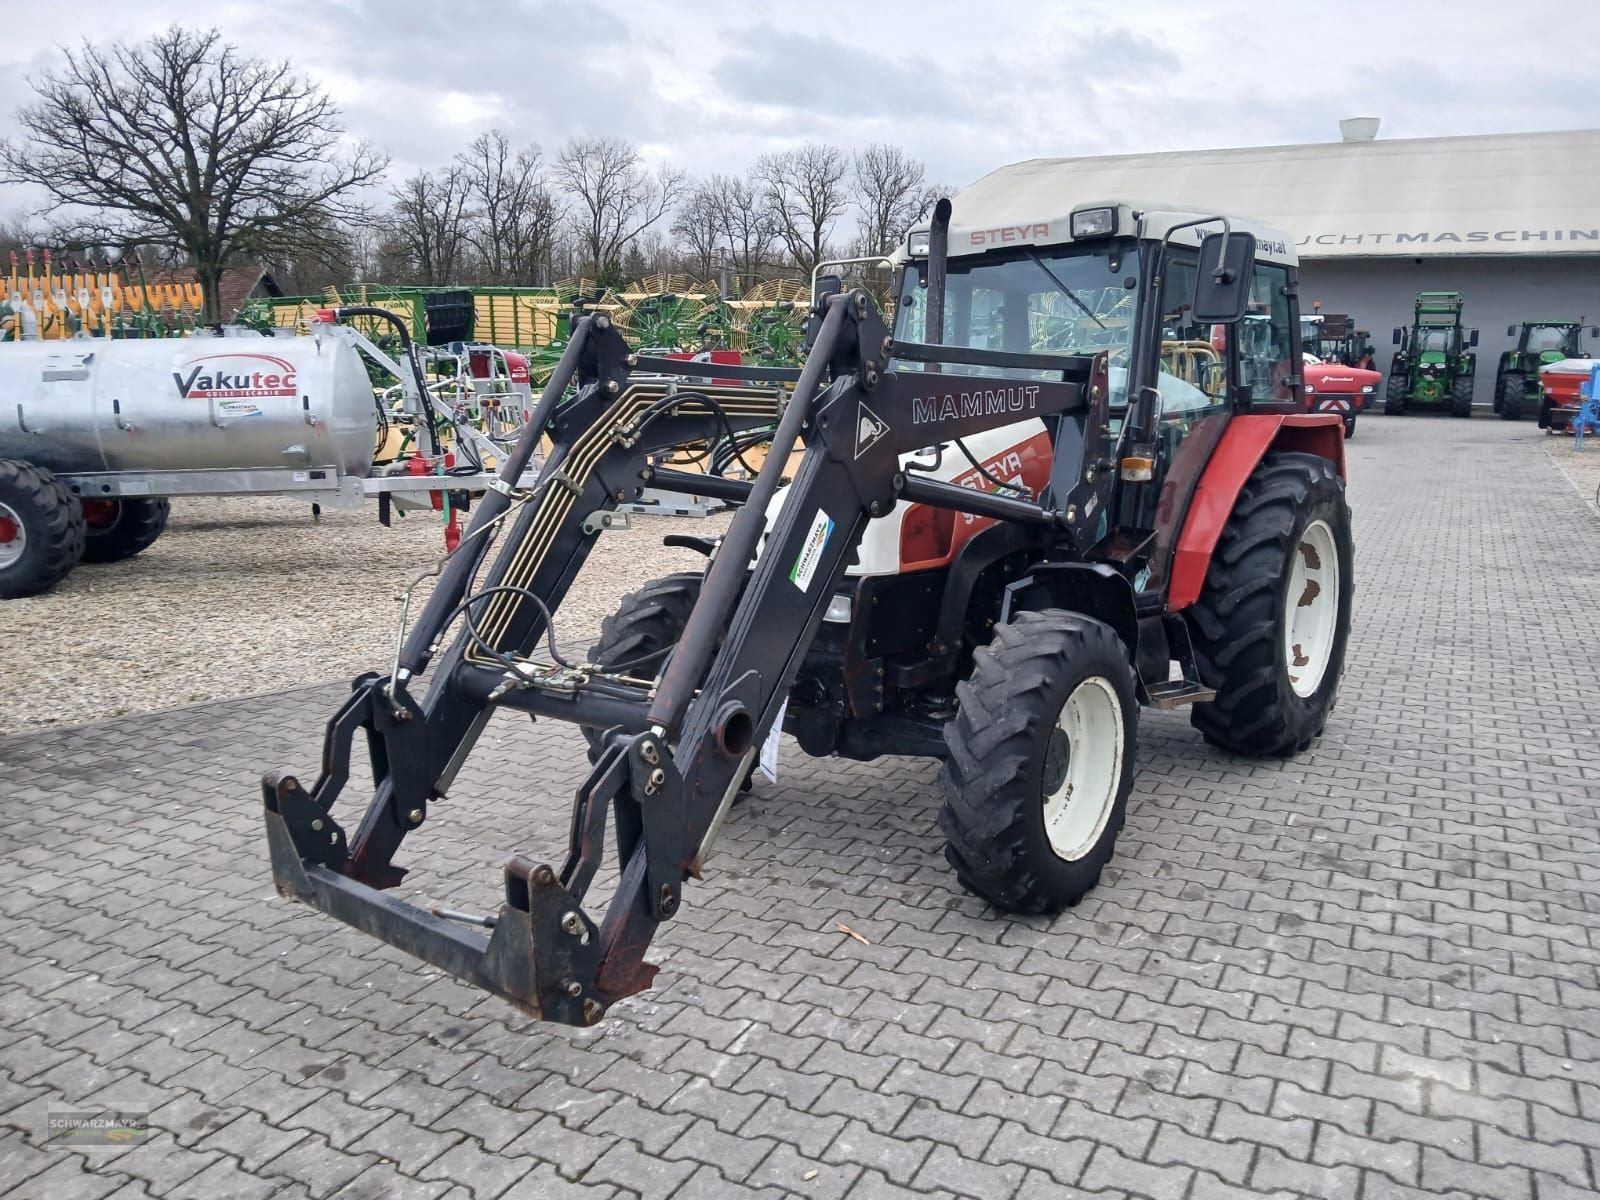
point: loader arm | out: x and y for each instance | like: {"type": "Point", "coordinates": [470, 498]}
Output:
{"type": "Point", "coordinates": [677, 749]}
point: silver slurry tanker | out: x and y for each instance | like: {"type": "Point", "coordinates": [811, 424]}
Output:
{"type": "Point", "coordinates": [202, 414]}
{"type": "Point", "coordinates": [96, 434]}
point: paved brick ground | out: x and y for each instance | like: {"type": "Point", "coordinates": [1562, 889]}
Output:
{"type": "Point", "coordinates": [1367, 973]}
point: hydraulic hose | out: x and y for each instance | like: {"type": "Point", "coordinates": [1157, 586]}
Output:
{"type": "Point", "coordinates": [463, 564]}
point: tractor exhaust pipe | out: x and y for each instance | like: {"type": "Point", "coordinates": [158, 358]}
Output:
{"type": "Point", "coordinates": [938, 261]}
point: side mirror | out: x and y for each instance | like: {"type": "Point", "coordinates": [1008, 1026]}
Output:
{"type": "Point", "coordinates": [1511, 331]}
{"type": "Point", "coordinates": [1472, 338]}
{"type": "Point", "coordinates": [1594, 331]}
{"type": "Point", "coordinates": [1397, 337]}
{"type": "Point", "coordinates": [1222, 284]}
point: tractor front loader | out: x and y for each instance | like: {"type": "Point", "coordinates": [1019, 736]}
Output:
{"type": "Point", "coordinates": [1433, 365]}
{"type": "Point", "coordinates": [990, 553]}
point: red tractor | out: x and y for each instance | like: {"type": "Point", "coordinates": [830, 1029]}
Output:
{"type": "Point", "coordinates": [1039, 503]}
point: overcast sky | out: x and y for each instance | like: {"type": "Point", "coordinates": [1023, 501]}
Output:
{"type": "Point", "coordinates": [710, 84]}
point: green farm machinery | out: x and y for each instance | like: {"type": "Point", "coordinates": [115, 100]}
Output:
{"type": "Point", "coordinates": [1433, 365]}
{"type": "Point", "coordinates": [1539, 343]}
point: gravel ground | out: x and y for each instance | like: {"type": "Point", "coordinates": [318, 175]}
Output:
{"type": "Point", "coordinates": [1582, 467]}
{"type": "Point", "coordinates": [246, 596]}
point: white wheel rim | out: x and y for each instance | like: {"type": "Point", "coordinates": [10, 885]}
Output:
{"type": "Point", "coordinates": [1083, 768]}
{"type": "Point", "coordinates": [1311, 609]}
{"type": "Point", "coordinates": [13, 536]}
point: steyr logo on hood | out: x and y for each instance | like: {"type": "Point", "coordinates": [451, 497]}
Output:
{"type": "Point", "coordinates": [234, 376]}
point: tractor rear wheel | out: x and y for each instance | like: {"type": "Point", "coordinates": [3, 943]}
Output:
{"type": "Point", "coordinates": [1461, 396]}
{"type": "Point", "coordinates": [1394, 396]}
{"type": "Point", "coordinates": [119, 529]}
{"type": "Point", "coordinates": [1509, 402]}
{"type": "Point", "coordinates": [41, 530]}
{"type": "Point", "coordinates": [1040, 761]}
{"type": "Point", "coordinates": [644, 629]}
{"type": "Point", "coordinates": [1270, 626]}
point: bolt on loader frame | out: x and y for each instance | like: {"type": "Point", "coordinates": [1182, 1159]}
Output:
{"type": "Point", "coordinates": [678, 747]}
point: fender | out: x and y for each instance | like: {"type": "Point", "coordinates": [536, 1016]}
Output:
{"type": "Point", "coordinates": [1246, 440]}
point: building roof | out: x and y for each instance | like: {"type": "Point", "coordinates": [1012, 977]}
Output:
{"type": "Point", "coordinates": [1517, 193]}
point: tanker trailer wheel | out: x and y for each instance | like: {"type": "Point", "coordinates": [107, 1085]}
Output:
{"type": "Point", "coordinates": [41, 529]}
{"type": "Point", "coordinates": [119, 529]}
{"type": "Point", "coordinates": [1273, 618]}
{"type": "Point", "coordinates": [1040, 761]}
{"type": "Point", "coordinates": [646, 625]}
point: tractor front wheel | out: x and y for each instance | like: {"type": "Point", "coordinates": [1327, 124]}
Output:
{"type": "Point", "coordinates": [1040, 761]}
{"type": "Point", "coordinates": [1394, 396]}
{"type": "Point", "coordinates": [41, 530]}
{"type": "Point", "coordinates": [1461, 396]}
{"type": "Point", "coordinates": [1270, 626]}
{"type": "Point", "coordinates": [1509, 402]}
{"type": "Point", "coordinates": [119, 529]}
{"type": "Point", "coordinates": [637, 639]}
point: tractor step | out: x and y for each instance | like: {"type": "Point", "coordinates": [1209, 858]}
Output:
{"type": "Point", "coordinates": [1179, 692]}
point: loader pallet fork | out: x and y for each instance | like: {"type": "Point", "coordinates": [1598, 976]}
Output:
{"type": "Point", "coordinates": [682, 725]}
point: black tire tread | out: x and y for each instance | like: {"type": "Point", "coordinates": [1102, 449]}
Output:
{"type": "Point", "coordinates": [1461, 396]}
{"type": "Point", "coordinates": [34, 486]}
{"type": "Point", "coordinates": [645, 621]}
{"type": "Point", "coordinates": [1234, 624]}
{"type": "Point", "coordinates": [990, 777]}
{"type": "Point", "coordinates": [1513, 393]}
{"type": "Point", "coordinates": [141, 521]}
{"type": "Point", "coordinates": [1394, 396]}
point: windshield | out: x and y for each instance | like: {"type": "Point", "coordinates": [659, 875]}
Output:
{"type": "Point", "coordinates": [1061, 300]}
{"type": "Point", "coordinates": [1440, 340]}
{"type": "Point", "coordinates": [1552, 338]}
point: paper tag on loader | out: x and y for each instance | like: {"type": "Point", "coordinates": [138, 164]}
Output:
{"type": "Point", "coordinates": [769, 748]}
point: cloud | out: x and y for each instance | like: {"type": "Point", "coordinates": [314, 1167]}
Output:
{"type": "Point", "coordinates": [820, 76]}
{"type": "Point", "coordinates": [712, 85]}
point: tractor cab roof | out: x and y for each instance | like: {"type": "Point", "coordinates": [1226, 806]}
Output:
{"type": "Point", "coordinates": [1033, 204]}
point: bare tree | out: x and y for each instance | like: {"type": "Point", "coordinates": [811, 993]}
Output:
{"type": "Point", "coordinates": [890, 192]}
{"type": "Point", "coordinates": [185, 142]}
{"type": "Point", "coordinates": [804, 194]}
{"type": "Point", "coordinates": [515, 211]}
{"type": "Point", "coordinates": [741, 212]}
{"type": "Point", "coordinates": [615, 198]}
{"type": "Point", "coordinates": [698, 228]}
{"type": "Point", "coordinates": [430, 218]}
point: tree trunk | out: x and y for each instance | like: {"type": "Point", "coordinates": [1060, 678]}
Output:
{"type": "Point", "coordinates": [210, 277]}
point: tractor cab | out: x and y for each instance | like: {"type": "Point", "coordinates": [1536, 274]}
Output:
{"type": "Point", "coordinates": [1116, 280]}
{"type": "Point", "coordinates": [1549, 341]}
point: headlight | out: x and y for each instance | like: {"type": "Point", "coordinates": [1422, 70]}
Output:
{"type": "Point", "coordinates": [1094, 222]}
{"type": "Point", "coordinates": [917, 244]}
{"type": "Point", "coordinates": [1367, 389]}
{"type": "Point", "coordinates": [838, 611]}
{"type": "Point", "coordinates": [1310, 390]}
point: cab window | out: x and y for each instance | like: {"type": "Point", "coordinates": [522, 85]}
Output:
{"type": "Point", "coordinates": [1266, 361]}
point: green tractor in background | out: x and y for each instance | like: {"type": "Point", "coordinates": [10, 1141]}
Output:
{"type": "Point", "coordinates": [1539, 343]}
{"type": "Point", "coordinates": [1434, 366]}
